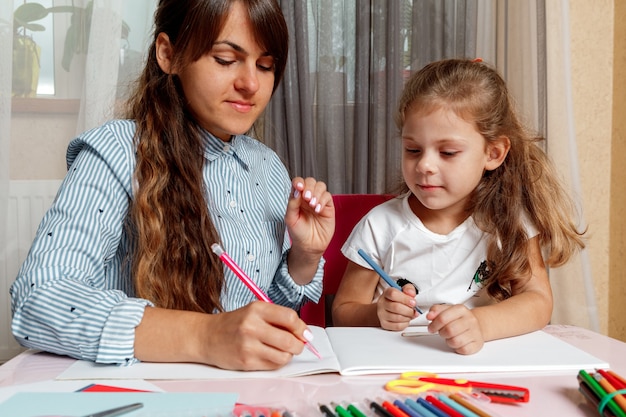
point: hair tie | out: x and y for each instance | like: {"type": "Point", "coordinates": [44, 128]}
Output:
{"type": "Point", "coordinates": [607, 398]}
{"type": "Point", "coordinates": [477, 60]}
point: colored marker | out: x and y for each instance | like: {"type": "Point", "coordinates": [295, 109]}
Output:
{"type": "Point", "coordinates": [610, 388]}
{"type": "Point", "coordinates": [456, 406]}
{"type": "Point", "coordinates": [379, 410]}
{"type": "Point", "coordinates": [432, 408]}
{"type": "Point", "coordinates": [619, 378]}
{"type": "Point", "coordinates": [618, 384]}
{"type": "Point", "coordinates": [326, 411]}
{"type": "Point", "coordinates": [355, 412]}
{"type": "Point", "coordinates": [443, 406]}
{"type": "Point", "coordinates": [465, 403]}
{"type": "Point", "coordinates": [382, 273]}
{"type": "Point", "coordinates": [393, 410]}
{"type": "Point", "coordinates": [601, 393]}
{"type": "Point", "coordinates": [341, 412]}
{"type": "Point", "coordinates": [414, 409]}
{"type": "Point", "coordinates": [221, 253]}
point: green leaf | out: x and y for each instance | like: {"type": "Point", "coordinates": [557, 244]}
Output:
{"type": "Point", "coordinates": [29, 12]}
{"type": "Point", "coordinates": [35, 27]}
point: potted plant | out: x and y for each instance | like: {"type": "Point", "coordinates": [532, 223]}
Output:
{"type": "Point", "coordinates": [26, 53]}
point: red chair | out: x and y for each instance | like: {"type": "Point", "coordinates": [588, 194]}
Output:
{"type": "Point", "coordinates": [349, 209]}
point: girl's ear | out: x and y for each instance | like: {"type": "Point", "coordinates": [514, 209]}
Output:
{"type": "Point", "coordinates": [164, 53]}
{"type": "Point", "coordinates": [497, 151]}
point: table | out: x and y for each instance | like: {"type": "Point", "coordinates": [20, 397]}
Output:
{"type": "Point", "coordinates": [553, 393]}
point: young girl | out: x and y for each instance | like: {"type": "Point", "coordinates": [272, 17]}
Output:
{"type": "Point", "coordinates": [482, 204]}
{"type": "Point", "coordinates": [122, 269]}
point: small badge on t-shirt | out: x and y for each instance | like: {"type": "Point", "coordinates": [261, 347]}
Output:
{"type": "Point", "coordinates": [480, 276]}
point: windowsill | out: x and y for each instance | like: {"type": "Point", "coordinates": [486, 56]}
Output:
{"type": "Point", "coordinates": [45, 105]}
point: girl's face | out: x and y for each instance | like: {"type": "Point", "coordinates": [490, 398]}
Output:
{"type": "Point", "coordinates": [443, 160]}
{"type": "Point", "coordinates": [228, 88]}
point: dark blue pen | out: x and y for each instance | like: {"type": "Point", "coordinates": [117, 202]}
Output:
{"type": "Point", "coordinates": [382, 273]}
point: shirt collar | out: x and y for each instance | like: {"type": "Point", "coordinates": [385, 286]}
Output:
{"type": "Point", "coordinates": [216, 148]}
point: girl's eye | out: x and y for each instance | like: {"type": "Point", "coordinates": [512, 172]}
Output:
{"type": "Point", "coordinates": [449, 153]}
{"type": "Point", "coordinates": [265, 67]}
{"type": "Point", "coordinates": [411, 150]}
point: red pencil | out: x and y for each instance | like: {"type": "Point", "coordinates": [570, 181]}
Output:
{"type": "Point", "coordinates": [621, 382]}
{"type": "Point", "coordinates": [609, 388]}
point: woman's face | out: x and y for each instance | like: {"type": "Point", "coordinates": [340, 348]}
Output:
{"type": "Point", "coordinates": [228, 88]}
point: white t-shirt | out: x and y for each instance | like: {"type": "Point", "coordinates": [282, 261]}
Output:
{"type": "Point", "coordinates": [446, 269]}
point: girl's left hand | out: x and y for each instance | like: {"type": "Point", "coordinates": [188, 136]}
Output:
{"type": "Point", "coordinates": [458, 326]}
{"type": "Point", "coordinates": [310, 216]}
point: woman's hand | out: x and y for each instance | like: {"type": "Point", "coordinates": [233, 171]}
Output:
{"type": "Point", "coordinates": [458, 326]}
{"type": "Point", "coordinates": [310, 220]}
{"type": "Point", "coordinates": [310, 215]}
{"type": "Point", "coordinates": [395, 309]}
{"type": "Point", "coordinates": [259, 336]}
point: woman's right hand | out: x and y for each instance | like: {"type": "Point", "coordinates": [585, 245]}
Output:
{"type": "Point", "coordinates": [259, 336]}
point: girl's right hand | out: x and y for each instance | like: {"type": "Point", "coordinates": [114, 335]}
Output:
{"type": "Point", "coordinates": [395, 308]}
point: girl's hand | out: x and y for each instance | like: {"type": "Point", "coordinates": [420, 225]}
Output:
{"type": "Point", "coordinates": [310, 216]}
{"type": "Point", "coordinates": [458, 326]}
{"type": "Point", "coordinates": [395, 308]}
{"type": "Point", "coordinates": [259, 336]}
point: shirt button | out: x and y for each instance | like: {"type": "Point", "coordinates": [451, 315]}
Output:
{"type": "Point", "coordinates": [233, 204]}
{"type": "Point", "coordinates": [251, 257]}
{"type": "Point", "coordinates": [226, 148]}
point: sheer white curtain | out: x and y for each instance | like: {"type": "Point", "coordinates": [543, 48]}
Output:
{"type": "Point", "coordinates": [574, 292]}
{"type": "Point", "coordinates": [545, 99]}
{"type": "Point", "coordinates": [79, 87]}
{"type": "Point", "coordinates": [6, 39]}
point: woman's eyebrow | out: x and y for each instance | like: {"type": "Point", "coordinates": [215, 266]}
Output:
{"type": "Point", "coordinates": [238, 48]}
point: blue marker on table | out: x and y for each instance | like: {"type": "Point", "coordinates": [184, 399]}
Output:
{"type": "Point", "coordinates": [382, 273]}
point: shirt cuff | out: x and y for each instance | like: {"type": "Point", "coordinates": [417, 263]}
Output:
{"type": "Point", "coordinates": [117, 342]}
{"type": "Point", "coordinates": [293, 294]}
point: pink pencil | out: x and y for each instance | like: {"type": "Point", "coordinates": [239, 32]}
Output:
{"type": "Point", "coordinates": [219, 251]}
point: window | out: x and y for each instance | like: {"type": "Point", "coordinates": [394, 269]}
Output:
{"type": "Point", "coordinates": [68, 24]}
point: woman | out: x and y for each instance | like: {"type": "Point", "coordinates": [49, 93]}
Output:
{"type": "Point", "coordinates": [121, 268]}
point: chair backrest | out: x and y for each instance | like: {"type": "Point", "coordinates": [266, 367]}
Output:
{"type": "Point", "coordinates": [349, 209]}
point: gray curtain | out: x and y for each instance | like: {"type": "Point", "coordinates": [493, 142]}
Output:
{"type": "Point", "coordinates": [333, 115]}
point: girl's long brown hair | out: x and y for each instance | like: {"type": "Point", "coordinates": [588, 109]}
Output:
{"type": "Point", "coordinates": [171, 228]}
{"type": "Point", "coordinates": [526, 184]}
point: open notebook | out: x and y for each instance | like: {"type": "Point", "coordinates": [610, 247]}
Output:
{"type": "Point", "coordinates": [367, 350]}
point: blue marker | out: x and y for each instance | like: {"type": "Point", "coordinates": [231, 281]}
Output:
{"type": "Point", "coordinates": [382, 273]}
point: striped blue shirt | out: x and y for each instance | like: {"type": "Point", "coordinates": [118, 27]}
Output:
{"type": "Point", "coordinates": [74, 293]}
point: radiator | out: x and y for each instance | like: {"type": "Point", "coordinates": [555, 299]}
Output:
{"type": "Point", "coordinates": [28, 201]}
